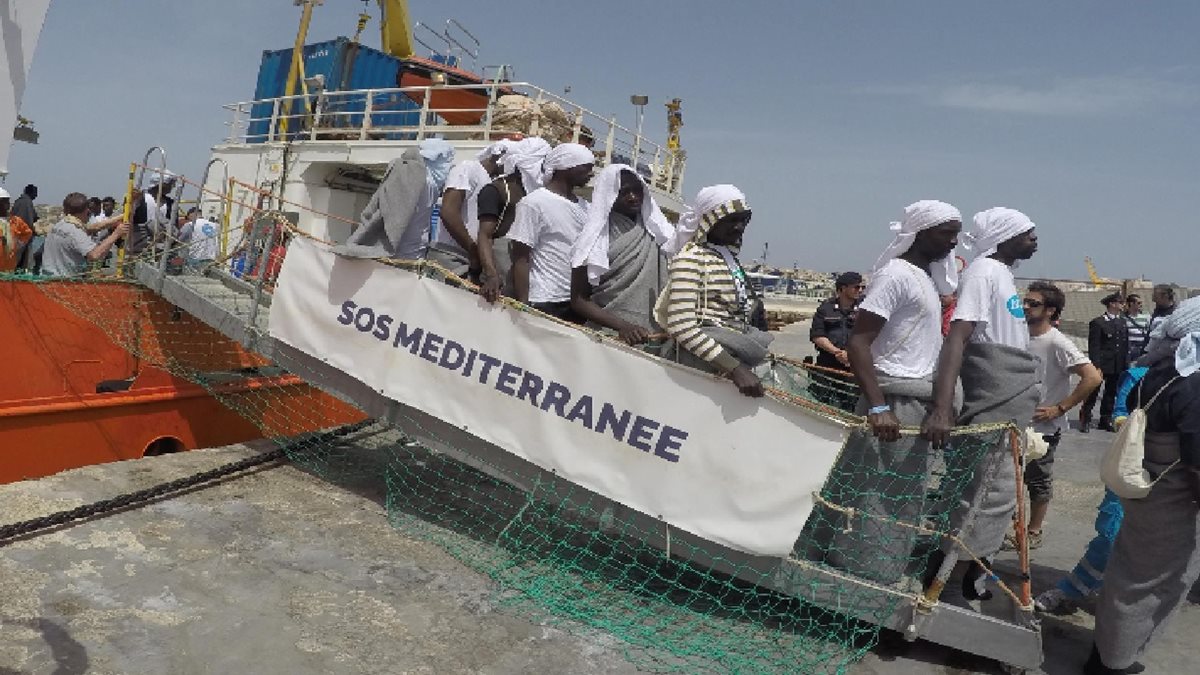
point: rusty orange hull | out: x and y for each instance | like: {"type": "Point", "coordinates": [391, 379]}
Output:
{"type": "Point", "coordinates": [65, 340]}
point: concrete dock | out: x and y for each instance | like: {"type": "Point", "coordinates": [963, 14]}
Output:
{"type": "Point", "coordinates": [274, 572]}
{"type": "Point", "coordinates": [280, 571]}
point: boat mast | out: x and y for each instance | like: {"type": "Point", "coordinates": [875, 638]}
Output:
{"type": "Point", "coordinates": [296, 72]}
{"type": "Point", "coordinates": [395, 29]}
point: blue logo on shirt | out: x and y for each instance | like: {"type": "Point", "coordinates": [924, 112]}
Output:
{"type": "Point", "coordinates": [1015, 307]}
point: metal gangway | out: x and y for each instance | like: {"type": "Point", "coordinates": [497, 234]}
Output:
{"type": "Point", "coordinates": [234, 296]}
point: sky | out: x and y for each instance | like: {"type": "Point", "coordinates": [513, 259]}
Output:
{"type": "Point", "coordinates": [831, 116]}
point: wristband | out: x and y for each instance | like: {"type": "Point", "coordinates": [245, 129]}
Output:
{"type": "Point", "coordinates": [880, 409]}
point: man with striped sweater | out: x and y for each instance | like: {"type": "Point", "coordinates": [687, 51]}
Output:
{"type": "Point", "coordinates": [706, 304]}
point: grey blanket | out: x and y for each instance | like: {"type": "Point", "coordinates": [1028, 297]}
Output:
{"type": "Point", "coordinates": [637, 273]}
{"type": "Point", "coordinates": [1155, 560]}
{"type": "Point", "coordinates": [750, 347]}
{"type": "Point", "coordinates": [1000, 384]}
{"type": "Point", "coordinates": [885, 484]}
{"type": "Point", "coordinates": [502, 257]}
{"type": "Point", "coordinates": [454, 260]}
{"type": "Point", "coordinates": [389, 211]}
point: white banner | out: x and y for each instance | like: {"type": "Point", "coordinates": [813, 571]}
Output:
{"type": "Point", "coordinates": [20, 26]}
{"type": "Point", "coordinates": [660, 439]}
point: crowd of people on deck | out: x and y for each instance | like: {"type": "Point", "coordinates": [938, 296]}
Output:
{"type": "Point", "coordinates": [90, 229]}
{"type": "Point", "coordinates": [929, 344]}
{"type": "Point", "coordinates": [510, 220]}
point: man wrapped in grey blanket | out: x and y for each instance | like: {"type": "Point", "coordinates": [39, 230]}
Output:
{"type": "Point", "coordinates": [618, 263]}
{"type": "Point", "coordinates": [879, 489]}
{"type": "Point", "coordinates": [1000, 384]}
{"type": "Point", "coordinates": [988, 346]}
{"type": "Point", "coordinates": [396, 223]}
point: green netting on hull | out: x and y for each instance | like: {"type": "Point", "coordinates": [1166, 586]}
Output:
{"type": "Point", "coordinates": [561, 554]}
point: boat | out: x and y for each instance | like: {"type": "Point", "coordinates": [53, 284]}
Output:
{"type": "Point", "coordinates": [75, 395]}
{"type": "Point", "coordinates": [678, 476]}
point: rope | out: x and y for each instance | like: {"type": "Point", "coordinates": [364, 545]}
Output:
{"type": "Point", "coordinates": [142, 497]}
{"type": "Point", "coordinates": [850, 512]}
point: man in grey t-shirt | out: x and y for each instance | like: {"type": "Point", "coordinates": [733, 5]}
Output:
{"type": "Point", "coordinates": [69, 248]}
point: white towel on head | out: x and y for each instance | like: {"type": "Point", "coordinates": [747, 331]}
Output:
{"type": "Point", "coordinates": [565, 156]}
{"type": "Point", "coordinates": [526, 157]}
{"type": "Point", "coordinates": [920, 216]}
{"type": "Point", "coordinates": [500, 147]}
{"type": "Point", "coordinates": [693, 224]}
{"type": "Point", "coordinates": [1177, 336]}
{"type": "Point", "coordinates": [157, 176]}
{"type": "Point", "coordinates": [992, 228]}
{"type": "Point", "coordinates": [439, 158]}
{"type": "Point", "coordinates": [591, 247]}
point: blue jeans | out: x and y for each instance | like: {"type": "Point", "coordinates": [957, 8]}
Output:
{"type": "Point", "coordinates": [1088, 575]}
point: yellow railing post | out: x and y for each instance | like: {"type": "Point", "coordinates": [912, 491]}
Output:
{"type": "Point", "coordinates": [127, 217]}
{"type": "Point", "coordinates": [228, 211]}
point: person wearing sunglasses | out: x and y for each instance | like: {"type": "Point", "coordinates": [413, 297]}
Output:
{"type": "Point", "coordinates": [1061, 358]}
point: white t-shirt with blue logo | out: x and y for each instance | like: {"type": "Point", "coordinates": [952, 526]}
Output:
{"type": "Point", "coordinates": [203, 237]}
{"type": "Point", "coordinates": [987, 295]}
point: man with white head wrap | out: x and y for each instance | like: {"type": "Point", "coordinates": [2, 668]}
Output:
{"type": "Point", "coordinates": [153, 212]}
{"type": "Point", "coordinates": [546, 225]}
{"type": "Point", "coordinates": [1156, 558]}
{"type": "Point", "coordinates": [893, 351]}
{"type": "Point", "coordinates": [397, 220]}
{"type": "Point", "coordinates": [459, 218]}
{"type": "Point", "coordinates": [706, 305]}
{"type": "Point", "coordinates": [618, 267]}
{"type": "Point", "coordinates": [496, 207]}
{"type": "Point", "coordinates": [988, 344]}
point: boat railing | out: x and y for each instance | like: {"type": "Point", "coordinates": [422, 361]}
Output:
{"type": "Point", "coordinates": [412, 114]}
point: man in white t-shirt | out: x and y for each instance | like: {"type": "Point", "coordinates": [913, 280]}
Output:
{"type": "Point", "coordinates": [893, 349]}
{"type": "Point", "coordinates": [1060, 358]}
{"type": "Point", "coordinates": [458, 214]}
{"type": "Point", "coordinates": [547, 223]}
{"type": "Point", "coordinates": [201, 236]}
{"type": "Point", "coordinates": [988, 347]}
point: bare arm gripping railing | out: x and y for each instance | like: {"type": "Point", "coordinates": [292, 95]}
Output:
{"type": "Point", "coordinates": [130, 207]}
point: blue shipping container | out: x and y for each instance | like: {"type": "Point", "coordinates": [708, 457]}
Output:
{"type": "Point", "coordinates": [346, 67]}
